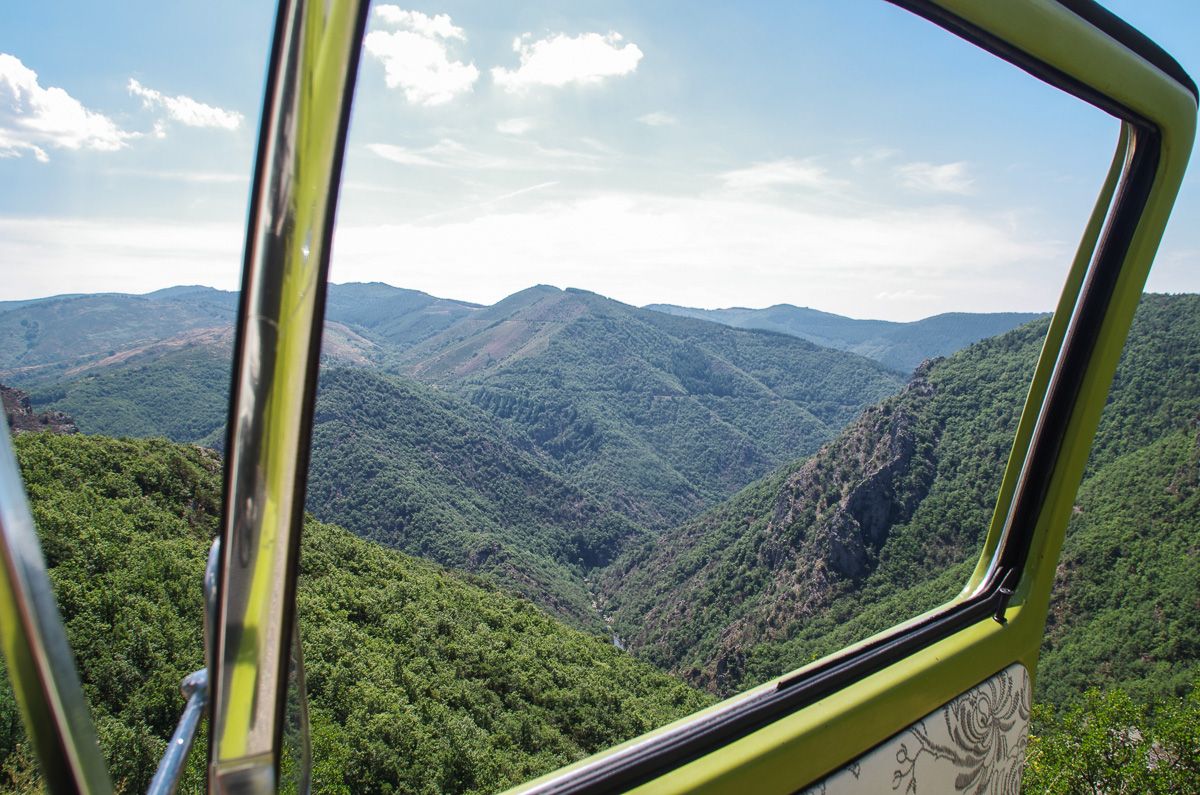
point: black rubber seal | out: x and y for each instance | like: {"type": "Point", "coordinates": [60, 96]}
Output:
{"type": "Point", "coordinates": [1131, 38]}
{"type": "Point", "coordinates": [692, 741]}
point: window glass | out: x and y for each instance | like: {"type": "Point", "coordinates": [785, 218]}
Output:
{"type": "Point", "coordinates": [753, 302]}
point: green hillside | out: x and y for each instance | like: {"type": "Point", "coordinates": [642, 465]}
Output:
{"type": "Point", "coordinates": [52, 336]}
{"type": "Point", "coordinates": [177, 387]}
{"type": "Point", "coordinates": [885, 522]}
{"type": "Point", "coordinates": [419, 680]}
{"type": "Point", "coordinates": [657, 416]}
{"type": "Point", "coordinates": [179, 392]}
{"type": "Point", "coordinates": [57, 340]}
{"type": "Point", "coordinates": [660, 415]}
{"type": "Point", "coordinates": [403, 464]}
{"type": "Point", "coordinates": [394, 461]}
{"type": "Point", "coordinates": [393, 316]}
{"type": "Point", "coordinates": [900, 346]}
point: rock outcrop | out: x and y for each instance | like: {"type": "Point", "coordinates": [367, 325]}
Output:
{"type": "Point", "coordinates": [18, 411]}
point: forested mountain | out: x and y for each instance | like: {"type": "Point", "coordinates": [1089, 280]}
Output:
{"type": "Point", "coordinates": [900, 346]}
{"type": "Point", "coordinates": [414, 468]}
{"type": "Point", "coordinates": [885, 522]}
{"type": "Point", "coordinates": [658, 417]}
{"type": "Point", "coordinates": [52, 339]}
{"type": "Point", "coordinates": [661, 415]}
{"type": "Point", "coordinates": [159, 364]}
{"type": "Point", "coordinates": [557, 426]}
{"type": "Point", "coordinates": [178, 387]}
{"type": "Point", "coordinates": [54, 336]}
{"type": "Point", "coordinates": [393, 316]}
{"type": "Point", "coordinates": [419, 680]}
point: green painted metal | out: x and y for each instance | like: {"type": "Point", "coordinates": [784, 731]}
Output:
{"type": "Point", "coordinates": [808, 744]}
{"type": "Point", "coordinates": [41, 667]}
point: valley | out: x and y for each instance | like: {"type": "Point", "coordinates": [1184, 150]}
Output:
{"type": "Point", "coordinates": [725, 503]}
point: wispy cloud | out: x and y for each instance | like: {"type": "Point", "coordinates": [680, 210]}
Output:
{"type": "Point", "coordinates": [416, 58]}
{"type": "Point", "coordinates": [560, 60]}
{"type": "Point", "coordinates": [184, 110]}
{"type": "Point", "coordinates": [519, 192]}
{"type": "Point", "coordinates": [439, 26]}
{"type": "Point", "coordinates": [515, 126]}
{"type": "Point", "coordinates": [33, 118]}
{"type": "Point", "coordinates": [658, 119]}
{"type": "Point", "coordinates": [872, 157]}
{"type": "Point", "coordinates": [446, 153]}
{"type": "Point", "coordinates": [784, 173]}
{"type": "Point", "coordinates": [935, 178]}
{"type": "Point", "coordinates": [451, 154]}
{"type": "Point", "coordinates": [468, 209]}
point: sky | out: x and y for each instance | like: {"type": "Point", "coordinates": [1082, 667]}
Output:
{"type": "Point", "coordinates": [841, 155]}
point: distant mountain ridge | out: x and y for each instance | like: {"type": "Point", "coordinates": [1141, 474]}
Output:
{"type": "Point", "coordinates": [663, 415]}
{"type": "Point", "coordinates": [900, 346]}
{"type": "Point", "coordinates": [43, 339]}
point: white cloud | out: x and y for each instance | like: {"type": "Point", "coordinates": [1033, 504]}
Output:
{"type": "Point", "coordinates": [642, 248]}
{"type": "Point", "coordinates": [184, 110]}
{"type": "Point", "coordinates": [438, 26]}
{"type": "Point", "coordinates": [787, 172]}
{"type": "Point", "coordinates": [416, 58]}
{"type": "Point", "coordinates": [559, 60]}
{"type": "Point", "coordinates": [33, 118]}
{"type": "Point", "coordinates": [658, 119]}
{"type": "Point", "coordinates": [515, 126]}
{"type": "Point", "coordinates": [934, 178]}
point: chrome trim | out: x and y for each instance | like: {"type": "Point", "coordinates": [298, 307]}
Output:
{"type": "Point", "coordinates": [40, 664]}
{"type": "Point", "coordinates": [170, 767]}
{"type": "Point", "coordinates": [313, 64]}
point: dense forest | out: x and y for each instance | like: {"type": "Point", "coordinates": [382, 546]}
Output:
{"type": "Point", "coordinates": [420, 470]}
{"type": "Point", "coordinates": [419, 680]}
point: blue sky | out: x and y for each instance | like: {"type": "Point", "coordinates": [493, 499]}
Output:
{"type": "Point", "coordinates": [845, 156]}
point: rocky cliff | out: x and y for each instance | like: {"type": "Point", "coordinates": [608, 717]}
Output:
{"type": "Point", "coordinates": [18, 410]}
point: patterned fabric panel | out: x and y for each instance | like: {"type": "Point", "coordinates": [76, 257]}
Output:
{"type": "Point", "coordinates": [975, 744]}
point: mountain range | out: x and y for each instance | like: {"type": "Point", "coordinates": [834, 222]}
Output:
{"type": "Point", "coordinates": [728, 502]}
{"type": "Point", "coordinates": [886, 520]}
{"type": "Point", "coordinates": [583, 423]}
{"type": "Point", "coordinates": [723, 504]}
{"type": "Point", "coordinates": [900, 346]}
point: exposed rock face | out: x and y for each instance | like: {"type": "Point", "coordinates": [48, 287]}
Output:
{"type": "Point", "coordinates": [18, 410]}
{"type": "Point", "coordinates": [819, 540]}
{"type": "Point", "coordinates": [830, 520]}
